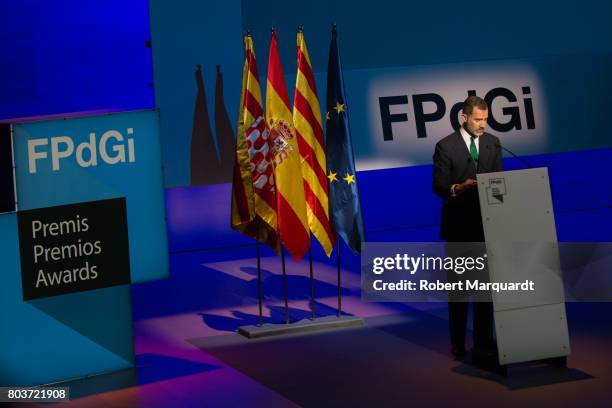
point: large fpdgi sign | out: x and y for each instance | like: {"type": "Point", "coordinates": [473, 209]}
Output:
{"type": "Point", "coordinates": [408, 110]}
{"type": "Point", "coordinates": [72, 248]}
{"type": "Point", "coordinates": [70, 161]}
{"type": "Point", "coordinates": [90, 221]}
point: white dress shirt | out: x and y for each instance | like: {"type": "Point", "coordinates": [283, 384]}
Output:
{"type": "Point", "coordinates": [467, 139]}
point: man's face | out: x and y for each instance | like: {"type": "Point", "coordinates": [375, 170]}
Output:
{"type": "Point", "coordinates": [477, 121]}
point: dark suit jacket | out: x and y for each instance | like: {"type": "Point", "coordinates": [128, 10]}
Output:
{"type": "Point", "coordinates": [461, 220]}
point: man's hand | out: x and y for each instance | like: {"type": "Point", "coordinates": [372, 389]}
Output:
{"type": "Point", "coordinates": [466, 185]}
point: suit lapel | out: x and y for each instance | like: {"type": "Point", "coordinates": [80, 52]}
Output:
{"type": "Point", "coordinates": [483, 152]}
{"type": "Point", "coordinates": [462, 146]}
{"type": "Point", "coordinates": [465, 153]}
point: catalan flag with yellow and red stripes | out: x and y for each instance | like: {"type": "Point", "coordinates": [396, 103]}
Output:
{"type": "Point", "coordinates": [290, 200]}
{"type": "Point", "coordinates": [309, 134]}
{"type": "Point", "coordinates": [253, 187]}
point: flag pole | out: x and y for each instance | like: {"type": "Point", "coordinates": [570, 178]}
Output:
{"type": "Point", "coordinates": [312, 295]}
{"type": "Point", "coordinates": [259, 294]}
{"type": "Point", "coordinates": [285, 286]}
{"type": "Point", "coordinates": [339, 287]}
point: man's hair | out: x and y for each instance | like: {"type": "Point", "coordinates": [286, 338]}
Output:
{"type": "Point", "coordinates": [473, 101]}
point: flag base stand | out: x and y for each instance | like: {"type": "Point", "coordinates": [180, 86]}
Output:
{"type": "Point", "coordinates": [302, 326]}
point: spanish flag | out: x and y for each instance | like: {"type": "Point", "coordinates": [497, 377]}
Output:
{"type": "Point", "coordinates": [290, 200]}
{"type": "Point", "coordinates": [309, 134]}
{"type": "Point", "coordinates": [253, 187]}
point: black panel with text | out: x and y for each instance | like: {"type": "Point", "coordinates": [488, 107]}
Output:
{"type": "Point", "coordinates": [73, 248]}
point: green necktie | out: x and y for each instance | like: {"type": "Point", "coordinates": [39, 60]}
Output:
{"type": "Point", "coordinates": [474, 151]}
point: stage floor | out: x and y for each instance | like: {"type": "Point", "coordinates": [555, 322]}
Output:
{"type": "Point", "coordinates": [189, 355]}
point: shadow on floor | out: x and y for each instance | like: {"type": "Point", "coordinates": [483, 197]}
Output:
{"type": "Point", "coordinates": [276, 315]}
{"type": "Point", "coordinates": [371, 366]}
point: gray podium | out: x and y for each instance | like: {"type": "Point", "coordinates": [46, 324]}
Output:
{"type": "Point", "coordinates": [521, 240]}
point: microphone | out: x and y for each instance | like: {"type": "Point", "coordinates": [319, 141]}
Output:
{"type": "Point", "coordinates": [514, 155]}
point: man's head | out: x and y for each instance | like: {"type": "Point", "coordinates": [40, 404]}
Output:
{"type": "Point", "coordinates": [475, 114]}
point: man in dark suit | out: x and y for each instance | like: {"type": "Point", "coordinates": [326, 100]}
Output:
{"type": "Point", "coordinates": [457, 159]}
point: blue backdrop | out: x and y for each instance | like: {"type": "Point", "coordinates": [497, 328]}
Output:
{"type": "Point", "coordinates": [49, 44]}
{"type": "Point", "coordinates": [68, 56]}
{"type": "Point", "coordinates": [71, 56]}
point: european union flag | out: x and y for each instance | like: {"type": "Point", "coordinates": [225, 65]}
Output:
{"type": "Point", "coordinates": [344, 207]}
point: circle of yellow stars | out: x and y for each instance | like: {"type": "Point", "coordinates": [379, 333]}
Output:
{"type": "Point", "coordinates": [338, 108]}
{"type": "Point", "coordinates": [349, 178]}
